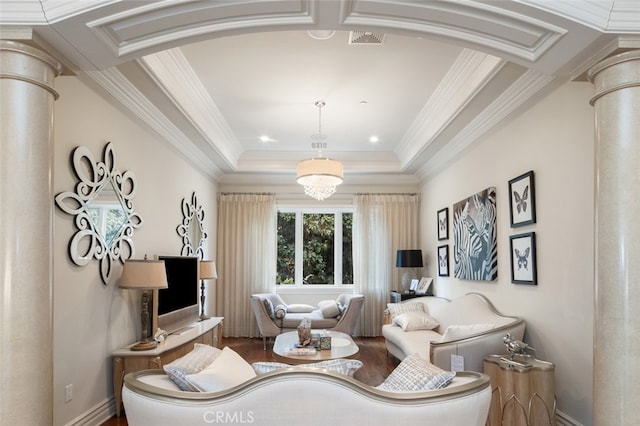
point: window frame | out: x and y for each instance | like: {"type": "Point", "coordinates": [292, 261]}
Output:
{"type": "Point", "coordinates": [299, 211]}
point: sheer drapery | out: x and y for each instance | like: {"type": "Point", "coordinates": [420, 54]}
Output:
{"type": "Point", "coordinates": [382, 224]}
{"type": "Point", "coordinates": [246, 258]}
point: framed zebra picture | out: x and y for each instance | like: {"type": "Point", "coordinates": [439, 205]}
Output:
{"type": "Point", "coordinates": [475, 245]}
{"type": "Point", "coordinates": [522, 196]}
{"type": "Point", "coordinates": [443, 260]}
{"type": "Point", "coordinates": [523, 258]}
{"type": "Point", "coordinates": [443, 224]}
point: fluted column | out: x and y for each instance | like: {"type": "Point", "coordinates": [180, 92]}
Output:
{"type": "Point", "coordinates": [617, 311]}
{"type": "Point", "coordinates": [26, 149]}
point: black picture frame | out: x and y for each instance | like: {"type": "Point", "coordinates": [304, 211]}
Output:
{"type": "Point", "coordinates": [523, 258]}
{"type": "Point", "coordinates": [443, 224]}
{"type": "Point", "coordinates": [522, 200]}
{"type": "Point", "coordinates": [443, 260]}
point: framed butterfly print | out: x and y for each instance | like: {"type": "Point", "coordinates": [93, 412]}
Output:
{"type": "Point", "coordinates": [522, 205]}
{"type": "Point", "coordinates": [443, 260]}
{"type": "Point", "coordinates": [523, 258]}
{"type": "Point", "coordinates": [443, 224]}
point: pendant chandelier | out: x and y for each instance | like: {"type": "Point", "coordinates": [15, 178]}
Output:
{"type": "Point", "coordinates": [319, 175]}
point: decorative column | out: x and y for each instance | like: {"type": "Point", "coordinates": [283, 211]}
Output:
{"type": "Point", "coordinates": [617, 241]}
{"type": "Point", "coordinates": [26, 204]}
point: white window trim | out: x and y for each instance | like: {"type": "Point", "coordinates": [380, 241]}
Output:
{"type": "Point", "coordinates": [299, 210]}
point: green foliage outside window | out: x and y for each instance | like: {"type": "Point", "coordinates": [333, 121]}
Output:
{"type": "Point", "coordinates": [318, 246]}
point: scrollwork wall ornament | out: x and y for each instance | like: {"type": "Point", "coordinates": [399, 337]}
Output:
{"type": "Point", "coordinates": [103, 208]}
{"type": "Point", "coordinates": [191, 230]}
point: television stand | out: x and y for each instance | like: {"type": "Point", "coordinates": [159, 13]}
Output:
{"type": "Point", "coordinates": [125, 361]}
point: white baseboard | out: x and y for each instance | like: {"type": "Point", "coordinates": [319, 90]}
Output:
{"type": "Point", "coordinates": [564, 420]}
{"type": "Point", "coordinates": [96, 415]}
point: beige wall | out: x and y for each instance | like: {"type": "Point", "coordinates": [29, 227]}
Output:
{"type": "Point", "coordinates": [555, 140]}
{"type": "Point", "coordinates": [92, 319]}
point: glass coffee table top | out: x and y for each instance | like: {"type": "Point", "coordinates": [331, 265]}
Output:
{"type": "Point", "coordinates": [342, 346]}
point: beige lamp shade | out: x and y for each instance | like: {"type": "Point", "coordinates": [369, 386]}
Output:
{"type": "Point", "coordinates": [319, 172]}
{"type": "Point", "coordinates": [208, 270]}
{"type": "Point", "coordinates": [143, 275]}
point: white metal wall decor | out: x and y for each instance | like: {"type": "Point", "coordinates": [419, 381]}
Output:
{"type": "Point", "coordinates": [103, 208]}
{"type": "Point", "coordinates": [191, 230]}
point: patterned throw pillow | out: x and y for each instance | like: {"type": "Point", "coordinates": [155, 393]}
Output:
{"type": "Point", "coordinates": [343, 366]}
{"type": "Point", "coordinates": [415, 320]}
{"type": "Point", "coordinates": [195, 361]}
{"type": "Point", "coordinates": [396, 309]}
{"type": "Point", "coordinates": [416, 374]}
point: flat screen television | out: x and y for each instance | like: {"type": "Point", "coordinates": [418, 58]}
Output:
{"type": "Point", "coordinates": [177, 305]}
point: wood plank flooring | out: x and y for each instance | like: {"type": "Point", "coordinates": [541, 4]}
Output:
{"type": "Point", "coordinates": [377, 363]}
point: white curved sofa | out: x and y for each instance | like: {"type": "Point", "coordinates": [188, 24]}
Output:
{"type": "Point", "coordinates": [303, 395]}
{"type": "Point", "coordinates": [470, 309]}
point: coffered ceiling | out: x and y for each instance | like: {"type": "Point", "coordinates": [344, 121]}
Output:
{"type": "Point", "coordinates": [232, 84]}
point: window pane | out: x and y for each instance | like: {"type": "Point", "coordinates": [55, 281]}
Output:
{"type": "Point", "coordinates": [286, 248]}
{"type": "Point", "coordinates": [347, 259]}
{"type": "Point", "coordinates": [318, 241]}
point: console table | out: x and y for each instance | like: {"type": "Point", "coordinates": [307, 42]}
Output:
{"type": "Point", "coordinates": [395, 297]}
{"type": "Point", "coordinates": [523, 391]}
{"type": "Point", "coordinates": [125, 361]}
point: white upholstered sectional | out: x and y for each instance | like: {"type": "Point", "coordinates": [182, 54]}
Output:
{"type": "Point", "coordinates": [475, 326]}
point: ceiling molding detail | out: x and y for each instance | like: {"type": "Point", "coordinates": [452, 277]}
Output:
{"type": "Point", "coordinates": [22, 12]}
{"type": "Point", "coordinates": [469, 73]}
{"type": "Point", "coordinates": [166, 24]}
{"type": "Point", "coordinates": [527, 86]}
{"type": "Point", "coordinates": [123, 91]}
{"type": "Point", "coordinates": [174, 75]}
{"type": "Point", "coordinates": [472, 22]}
{"type": "Point", "coordinates": [614, 16]}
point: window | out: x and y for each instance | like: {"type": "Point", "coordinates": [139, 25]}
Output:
{"type": "Point", "coordinates": [314, 247]}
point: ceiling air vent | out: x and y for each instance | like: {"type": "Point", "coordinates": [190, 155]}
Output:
{"type": "Point", "coordinates": [365, 37]}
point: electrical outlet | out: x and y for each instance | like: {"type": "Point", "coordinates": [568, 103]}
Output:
{"type": "Point", "coordinates": [68, 393]}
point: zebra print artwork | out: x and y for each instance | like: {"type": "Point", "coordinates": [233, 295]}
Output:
{"type": "Point", "coordinates": [475, 246]}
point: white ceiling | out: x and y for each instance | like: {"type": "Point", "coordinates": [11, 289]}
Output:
{"type": "Point", "coordinates": [212, 77]}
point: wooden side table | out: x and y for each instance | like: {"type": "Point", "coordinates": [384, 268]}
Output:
{"type": "Point", "coordinates": [523, 391]}
{"type": "Point", "coordinates": [125, 361]}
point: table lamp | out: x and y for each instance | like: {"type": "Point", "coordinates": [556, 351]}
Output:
{"type": "Point", "coordinates": [207, 272]}
{"type": "Point", "coordinates": [408, 259]}
{"type": "Point", "coordinates": [144, 275]}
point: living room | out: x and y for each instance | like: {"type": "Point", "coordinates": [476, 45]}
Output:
{"type": "Point", "coordinates": [553, 136]}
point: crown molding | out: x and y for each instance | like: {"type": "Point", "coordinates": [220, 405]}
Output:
{"type": "Point", "coordinates": [530, 84]}
{"type": "Point", "coordinates": [177, 79]}
{"type": "Point", "coordinates": [470, 72]}
{"type": "Point", "coordinates": [124, 92]}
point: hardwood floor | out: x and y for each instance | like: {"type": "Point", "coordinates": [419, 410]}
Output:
{"type": "Point", "coordinates": [377, 363]}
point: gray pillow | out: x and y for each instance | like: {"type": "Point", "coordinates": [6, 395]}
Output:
{"type": "Point", "coordinates": [280, 311]}
{"type": "Point", "coordinates": [269, 307]}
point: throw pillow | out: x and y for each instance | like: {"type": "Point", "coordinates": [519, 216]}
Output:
{"type": "Point", "coordinates": [269, 307]}
{"type": "Point", "coordinates": [400, 308]}
{"type": "Point", "coordinates": [280, 311]}
{"type": "Point", "coordinates": [455, 332]}
{"type": "Point", "coordinates": [415, 320]}
{"type": "Point", "coordinates": [300, 308]}
{"type": "Point", "coordinates": [193, 362]}
{"type": "Point", "coordinates": [329, 308]}
{"type": "Point", "coordinates": [415, 373]}
{"type": "Point", "coordinates": [226, 371]}
{"type": "Point", "coordinates": [343, 366]}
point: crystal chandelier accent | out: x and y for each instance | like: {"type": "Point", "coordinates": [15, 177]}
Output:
{"type": "Point", "coordinates": [319, 175]}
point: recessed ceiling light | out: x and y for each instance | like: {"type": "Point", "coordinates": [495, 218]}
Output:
{"type": "Point", "coordinates": [265, 139]}
{"type": "Point", "coordinates": [373, 139]}
{"type": "Point", "coordinates": [321, 34]}
{"type": "Point", "coordinates": [363, 102]}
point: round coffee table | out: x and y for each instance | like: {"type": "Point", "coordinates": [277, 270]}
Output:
{"type": "Point", "coordinates": [342, 346]}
